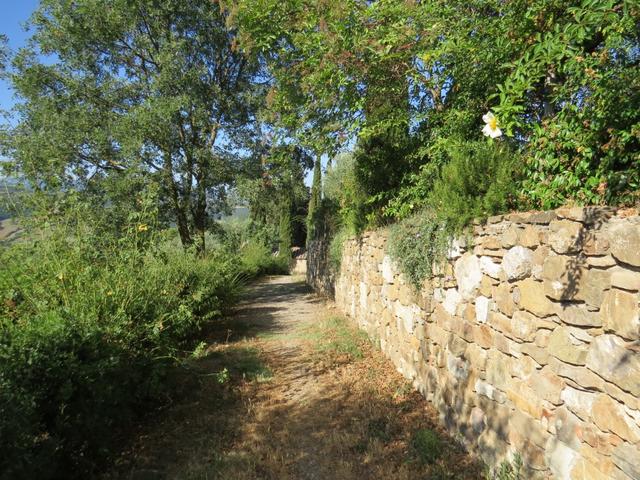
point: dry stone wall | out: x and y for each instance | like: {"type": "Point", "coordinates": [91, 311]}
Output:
{"type": "Point", "coordinates": [527, 341]}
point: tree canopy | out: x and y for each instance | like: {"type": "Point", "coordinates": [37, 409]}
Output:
{"type": "Point", "coordinates": [140, 92]}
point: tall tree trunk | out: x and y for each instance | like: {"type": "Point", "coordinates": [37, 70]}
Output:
{"type": "Point", "coordinates": [285, 230]}
{"type": "Point", "coordinates": [179, 210]}
{"type": "Point", "coordinates": [200, 212]}
{"type": "Point", "coordinates": [313, 220]}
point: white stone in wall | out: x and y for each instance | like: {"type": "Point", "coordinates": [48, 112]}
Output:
{"type": "Point", "coordinates": [406, 315]}
{"type": "Point", "coordinates": [489, 267]}
{"type": "Point", "coordinates": [387, 269]}
{"type": "Point", "coordinates": [486, 389]}
{"type": "Point", "coordinates": [458, 367]}
{"type": "Point", "coordinates": [363, 296]}
{"type": "Point", "coordinates": [451, 301]}
{"type": "Point", "coordinates": [468, 275]}
{"type": "Point", "coordinates": [635, 414]}
{"type": "Point", "coordinates": [560, 458]}
{"type": "Point", "coordinates": [578, 401]}
{"type": "Point", "coordinates": [455, 250]}
{"type": "Point", "coordinates": [438, 295]}
{"type": "Point", "coordinates": [517, 263]}
{"type": "Point", "coordinates": [483, 305]}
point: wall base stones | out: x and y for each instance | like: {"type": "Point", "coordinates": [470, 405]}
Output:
{"type": "Point", "coordinates": [529, 343]}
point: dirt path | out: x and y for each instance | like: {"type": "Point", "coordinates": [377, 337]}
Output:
{"type": "Point", "coordinates": [289, 390]}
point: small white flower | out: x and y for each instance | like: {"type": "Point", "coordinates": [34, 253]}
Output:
{"type": "Point", "coordinates": [491, 128]}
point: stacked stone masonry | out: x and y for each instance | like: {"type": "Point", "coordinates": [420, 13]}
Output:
{"type": "Point", "coordinates": [527, 341]}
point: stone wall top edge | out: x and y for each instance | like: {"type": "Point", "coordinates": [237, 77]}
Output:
{"type": "Point", "coordinates": [589, 216]}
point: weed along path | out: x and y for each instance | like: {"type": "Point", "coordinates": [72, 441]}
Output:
{"type": "Point", "coordinates": [288, 389]}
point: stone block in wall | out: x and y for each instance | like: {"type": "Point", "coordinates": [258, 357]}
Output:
{"type": "Point", "coordinates": [625, 242]}
{"type": "Point", "coordinates": [620, 314]}
{"type": "Point", "coordinates": [580, 402]}
{"type": "Point", "coordinates": [522, 326]}
{"type": "Point", "coordinates": [529, 237]}
{"type": "Point", "coordinates": [437, 334]}
{"type": "Point", "coordinates": [517, 263]}
{"type": "Point", "coordinates": [628, 400]}
{"type": "Point", "coordinates": [483, 306]}
{"type": "Point", "coordinates": [547, 385]}
{"type": "Point", "coordinates": [483, 336]}
{"type": "Point", "coordinates": [538, 218]}
{"type": "Point", "coordinates": [625, 279]}
{"type": "Point", "coordinates": [510, 237]}
{"type": "Point", "coordinates": [585, 470]}
{"type": "Point", "coordinates": [486, 285]}
{"type": "Point", "coordinates": [602, 261]}
{"type": "Point", "coordinates": [452, 299]}
{"type": "Point", "coordinates": [610, 416]}
{"type": "Point", "coordinates": [497, 370]}
{"type": "Point", "coordinates": [593, 284]}
{"type": "Point", "coordinates": [540, 355]}
{"type": "Point", "coordinates": [477, 357]}
{"type": "Point", "coordinates": [568, 279]}
{"type": "Point", "coordinates": [559, 275]}
{"type": "Point", "coordinates": [533, 298]}
{"type": "Point", "coordinates": [579, 377]}
{"type": "Point", "coordinates": [522, 426]}
{"type": "Point", "coordinates": [387, 269]}
{"type": "Point", "coordinates": [567, 347]}
{"type": "Point", "coordinates": [489, 267]}
{"type": "Point", "coordinates": [566, 236]}
{"type": "Point", "coordinates": [610, 358]}
{"type": "Point", "coordinates": [524, 398]}
{"type": "Point", "coordinates": [627, 458]}
{"type": "Point", "coordinates": [579, 316]}
{"type": "Point", "coordinates": [523, 367]}
{"type": "Point", "coordinates": [468, 275]}
{"type": "Point", "coordinates": [597, 243]}
{"type": "Point", "coordinates": [560, 458]}
{"type": "Point", "coordinates": [503, 298]}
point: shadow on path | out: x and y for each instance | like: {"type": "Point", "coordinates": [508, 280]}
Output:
{"type": "Point", "coordinates": [290, 393]}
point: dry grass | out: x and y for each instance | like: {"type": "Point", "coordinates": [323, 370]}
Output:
{"type": "Point", "coordinates": [310, 399]}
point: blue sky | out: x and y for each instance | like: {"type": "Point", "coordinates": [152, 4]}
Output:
{"type": "Point", "coordinates": [13, 14]}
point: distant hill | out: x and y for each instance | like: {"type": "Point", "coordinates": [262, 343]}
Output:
{"type": "Point", "coordinates": [237, 213]}
{"type": "Point", "coordinates": [7, 189]}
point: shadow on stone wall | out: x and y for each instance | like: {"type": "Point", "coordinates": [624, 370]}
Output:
{"type": "Point", "coordinates": [320, 275]}
{"type": "Point", "coordinates": [592, 219]}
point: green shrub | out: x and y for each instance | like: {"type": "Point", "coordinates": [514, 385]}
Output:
{"type": "Point", "coordinates": [480, 180]}
{"type": "Point", "coordinates": [88, 330]}
{"type": "Point", "coordinates": [257, 259]}
{"type": "Point", "coordinates": [507, 470]}
{"type": "Point", "coordinates": [343, 189]}
{"type": "Point", "coordinates": [426, 446]}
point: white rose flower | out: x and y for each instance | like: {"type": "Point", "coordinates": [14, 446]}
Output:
{"type": "Point", "coordinates": [491, 128]}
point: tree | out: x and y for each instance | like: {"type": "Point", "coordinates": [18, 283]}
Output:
{"type": "Point", "coordinates": [142, 89]}
{"type": "Point", "coordinates": [273, 185]}
{"type": "Point", "coordinates": [315, 201]}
